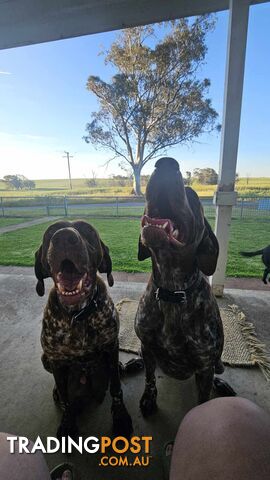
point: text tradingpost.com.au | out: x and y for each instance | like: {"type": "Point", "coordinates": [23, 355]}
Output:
{"type": "Point", "coordinates": [114, 452]}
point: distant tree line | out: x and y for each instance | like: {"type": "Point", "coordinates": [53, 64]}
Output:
{"type": "Point", "coordinates": [19, 182]}
{"type": "Point", "coordinates": [116, 180]}
{"type": "Point", "coordinates": [205, 176]}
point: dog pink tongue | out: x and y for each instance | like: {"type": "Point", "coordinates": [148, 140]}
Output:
{"type": "Point", "coordinates": [68, 281]}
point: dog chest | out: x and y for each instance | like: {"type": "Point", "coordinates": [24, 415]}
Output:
{"type": "Point", "coordinates": [61, 338]}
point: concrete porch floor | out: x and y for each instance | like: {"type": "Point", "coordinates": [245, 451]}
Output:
{"type": "Point", "coordinates": [27, 407]}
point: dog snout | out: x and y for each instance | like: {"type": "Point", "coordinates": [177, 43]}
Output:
{"type": "Point", "coordinates": [66, 236]}
{"type": "Point", "coordinates": [167, 163]}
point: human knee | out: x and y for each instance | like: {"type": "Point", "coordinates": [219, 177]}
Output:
{"type": "Point", "coordinates": [225, 411]}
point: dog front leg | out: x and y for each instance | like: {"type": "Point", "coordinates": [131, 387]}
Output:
{"type": "Point", "coordinates": [122, 423]}
{"type": "Point", "coordinates": [67, 425]}
{"type": "Point", "coordinates": [204, 382]}
{"type": "Point", "coordinates": [148, 403]}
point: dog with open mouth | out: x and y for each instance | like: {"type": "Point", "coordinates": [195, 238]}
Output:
{"type": "Point", "coordinates": [178, 320]}
{"type": "Point", "coordinates": [80, 324]}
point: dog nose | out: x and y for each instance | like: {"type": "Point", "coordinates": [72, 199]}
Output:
{"type": "Point", "coordinates": [72, 238]}
{"type": "Point", "coordinates": [68, 236]}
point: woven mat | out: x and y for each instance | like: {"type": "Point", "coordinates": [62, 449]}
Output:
{"type": "Point", "coordinates": [241, 347]}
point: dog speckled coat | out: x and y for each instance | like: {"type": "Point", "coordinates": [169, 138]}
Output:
{"type": "Point", "coordinates": [80, 324]}
{"type": "Point", "coordinates": [178, 320]}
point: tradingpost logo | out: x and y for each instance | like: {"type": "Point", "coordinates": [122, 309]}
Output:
{"type": "Point", "coordinates": [114, 452]}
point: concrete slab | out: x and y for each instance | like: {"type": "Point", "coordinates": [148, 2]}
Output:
{"type": "Point", "coordinates": [26, 388]}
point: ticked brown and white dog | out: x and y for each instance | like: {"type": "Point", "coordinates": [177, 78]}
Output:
{"type": "Point", "coordinates": [80, 324]}
{"type": "Point", "coordinates": [178, 319]}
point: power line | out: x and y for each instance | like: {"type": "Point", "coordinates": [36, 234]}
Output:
{"type": "Point", "coordinates": [68, 156]}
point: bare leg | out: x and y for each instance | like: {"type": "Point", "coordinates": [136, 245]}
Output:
{"type": "Point", "coordinates": [224, 439]}
{"type": "Point", "coordinates": [21, 466]}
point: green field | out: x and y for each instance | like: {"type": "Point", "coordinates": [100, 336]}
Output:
{"type": "Point", "coordinates": [259, 186]}
{"type": "Point", "coordinates": [121, 235]}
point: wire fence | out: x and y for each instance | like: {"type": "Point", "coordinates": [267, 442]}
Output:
{"type": "Point", "coordinates": [80, 206]}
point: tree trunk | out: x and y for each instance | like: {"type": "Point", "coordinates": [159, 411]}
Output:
{"type": "Point", "coordinates": [137, 180]}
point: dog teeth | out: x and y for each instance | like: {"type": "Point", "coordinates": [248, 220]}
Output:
{"type": "Point", "coordinates": [60, 288]}
{"type": "Point", "coordinates": [175, 233]}
{"type": "Point", "coordinates": [68, 294]}
{"type": "Point", "coordinates": [80, 284]}
{"type": "Point", "coordinates": [165, 225]}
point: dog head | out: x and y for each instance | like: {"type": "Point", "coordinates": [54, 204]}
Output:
{"type": "Point", "coordinates": [174, 220]}
{"type": "Point", "coordinates": [71, 253]}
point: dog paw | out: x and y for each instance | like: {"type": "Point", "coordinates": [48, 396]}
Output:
{"type": "Point", "coordinates": [148, 403]}
{"type": "Point", "coordinates": [222, 388]}
{"type": "Point", "coordinates": [122, 423]}
{"type": "Point", "coordinates": [132, 366]}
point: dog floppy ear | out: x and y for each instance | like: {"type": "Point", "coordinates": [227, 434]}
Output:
{"type": "Point", "coordinates": [207, 251]}
{"type": "Point", "coordinates": [40, 272]}
{"type": "Point", "coordinates": [208, 248]}
{"type": "Point", "coordinates": [143, 251]}
{"type": "Point", "coordinates": [105, 265]}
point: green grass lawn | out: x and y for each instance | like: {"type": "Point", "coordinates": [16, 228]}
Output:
{"type": "Point", "coordinates": [5, 222]}
{"type": "Point", "coordinates": [18, 248]}
{"type": "Point", "coordinates": [121, 235]}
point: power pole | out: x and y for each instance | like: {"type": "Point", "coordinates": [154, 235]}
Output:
{"type": "Point", "coordinates": [68, 156]}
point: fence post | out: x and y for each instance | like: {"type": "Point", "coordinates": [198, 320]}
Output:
{"type": "Point", "coordinates": [65, 205]}
{"type": "Point", "coordinates": [242, 207]}
{"type": "Point", "coordinates": [117, 205]}
{"type": "Point", "coordinates": [2, 207]}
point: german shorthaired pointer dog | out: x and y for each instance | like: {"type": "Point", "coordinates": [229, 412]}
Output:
{"type": "Point", "coordinates": [80, 324]}
{"type": "Point", "coordinates": [265, 253]}
{"type": "Point", "coordinates": [178, 320]}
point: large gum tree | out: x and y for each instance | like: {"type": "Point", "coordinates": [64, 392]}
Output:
{"type": "Point", "coordinates": [155, 100]}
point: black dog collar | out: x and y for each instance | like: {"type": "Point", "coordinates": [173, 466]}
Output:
{"type": "Point", "coordinates": [85, 311]}
{"type": "Point", "coordinates": [177, 296]}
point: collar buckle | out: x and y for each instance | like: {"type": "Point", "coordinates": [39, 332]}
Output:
{"type": "Point", "coordinates": [178, 296]}
{"type": "Point", "coordinates": [181, 295]}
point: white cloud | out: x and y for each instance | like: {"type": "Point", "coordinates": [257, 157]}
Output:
{"type": "Point", "coordinates": [3, 72]}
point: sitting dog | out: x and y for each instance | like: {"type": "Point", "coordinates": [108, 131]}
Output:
{"type": "Point", "coordinates": [80, 324]}
{"type": "Point", "coordinates": [265, 253]}
{"type": "Point", "coordinates": [178, 320]}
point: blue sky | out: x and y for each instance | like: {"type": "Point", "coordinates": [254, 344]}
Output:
{"type": "Point", "coordinates": [44, 105]}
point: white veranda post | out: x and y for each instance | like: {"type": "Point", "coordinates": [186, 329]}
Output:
{"type": "Point", "coordinates": [225, 196]}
